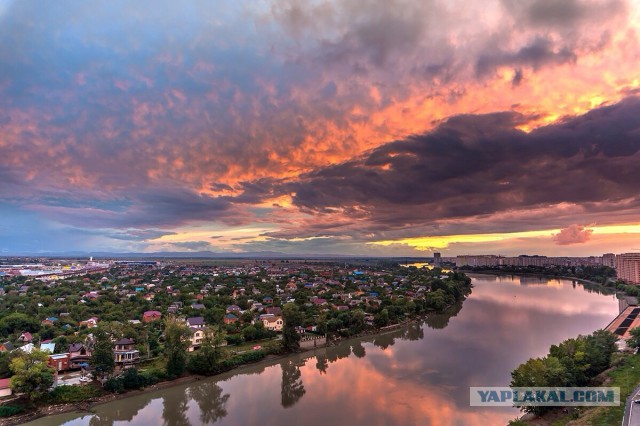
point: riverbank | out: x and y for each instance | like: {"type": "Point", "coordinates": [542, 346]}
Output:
{"type": "Point", "coordinates": [625, 374]}
{"type": "Point", "coordinates": [89, 405]}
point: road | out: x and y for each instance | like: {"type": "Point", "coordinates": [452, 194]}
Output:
{"type": "Point", "coordinates": [632, 410]}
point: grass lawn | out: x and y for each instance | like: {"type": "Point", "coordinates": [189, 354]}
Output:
{"type": "Point", "coordinates": [626, 376]}
{"type": "Point", "coordinates": [248, 346]}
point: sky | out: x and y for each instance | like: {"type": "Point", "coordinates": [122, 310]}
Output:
{"type": "Point", "coordinates": [354, 127]}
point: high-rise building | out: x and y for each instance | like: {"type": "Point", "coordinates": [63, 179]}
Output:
{"type": "Point", "coordinates": [437, 259]}
{"type": "Point", "coordinates": [609, 259]}
{"type": "Point", "coordinates": [628, 267]}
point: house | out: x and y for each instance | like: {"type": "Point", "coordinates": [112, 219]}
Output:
{"type": "Point", "coordinates": [273, 323]}
{"type": "Point", "coordinates": [79, 355]}
{"type": "Point", "coordinates": [230, 318]}
{"type": "Point", "coordinates": [319, 302]}
{"type": "Point", "coordinates": [60, 362]}
{"type": "Point", "coordinates": [195, 322]}
{"type": "Point", "coordinates": [5, 387]}
{"type": "Point", "coordinates": [49, 321]}
{"type": "Point", "coordinates": [233, 309]}
{"type": "Point", "coordinates": [267, 300]}
{"type": "Point", "coordinates": [26, 337]}
{"type": "Point", "coordinates": [28, 348]}
{"type": "Point", "coordinates": [90, 323]}
{"type": "Point", "coordinates": [198, 306]}
{"type": "Point", "coordinates": [6, 347]}
{"type": "Point", "coordinates": [150, 316]}
{"type": "Point", "coordinates": [291, 287]}
{"type": "Point", "coordinates": [125, 354]}
{"type": "Point", "coordinates": [50, 347]}
{"type": "Point", "coordinates": [274, 310]}
{"type": "Point", "coordinates": [197, 335]}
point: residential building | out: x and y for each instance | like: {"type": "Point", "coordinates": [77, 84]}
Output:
{"type": "Point", "coordinates": [90, 323]}
{"type": "Point", "coordinates": [196, 338]}
{"type": "Point", "coordinates": [125, 354]}
{"type": "Point", "coordinates": [48, 347]}
{"type": "Point", "coordinates": [230, 318]}
{"type": "Point", "coordinates": [195, 322]}
{"type": "Point", "coordinates": [273, 323]}
{"type": "Point", "coordinates": [609, 259]}
{"type": "Point", "coordinates": [79, 355]}
{"type": "Point", "coordinates": [274, 310]}
{"type": "Point", "coordinates": [150, 316]}
{"type": "Point", "coordinates": [49, 321]}
{"type": "Point", "coordinates": [26, 337]}
{"type": "Point", "coordinates": [61, 362]}
{"type": "Point", "coordinates": [628, 267]}
{"type": "Point", "coordinates": [6, 347]}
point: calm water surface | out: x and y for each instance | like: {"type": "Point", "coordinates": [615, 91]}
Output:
{"type": "Point", "coordinates": [418, 375]}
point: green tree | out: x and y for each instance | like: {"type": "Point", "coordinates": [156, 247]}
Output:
{"type": "Point", "coordinates": [102, 358]}
{"type": "Point", "coordinates": [634, 340]}
{"type": "Point", "coordinates": [31, 374]}
{"type": "Point", "coordinates": [206, 360]}
{"type": "Point", "coordinates": [381, 318]}
{"type": "Point", "coordinates": [292, 318]}
{"type": "Point", "coordinates": [539, 372]}
{"type": "Point", "coordinates": [18, 323]}
{"type": "Point", "coordinates": [175, 347]}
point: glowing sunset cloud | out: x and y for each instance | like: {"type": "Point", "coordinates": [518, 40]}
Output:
{"type": "Point", "coordinates": [343, 127]}
{"type": "Point", "coordinates": [444, 241]}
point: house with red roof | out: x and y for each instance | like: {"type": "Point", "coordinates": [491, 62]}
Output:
{"type": "Point", "coordinates": [150, 316]}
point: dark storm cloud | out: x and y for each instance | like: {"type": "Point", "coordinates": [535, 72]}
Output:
{"type": "Point", "coordinates": [539, 53]}
{"type": "Point", "coordinates": [565, 13]}
{"type": "Point", "coordinates": [147, 207]}
{"type": "Point", "coordinates": [482, 164]}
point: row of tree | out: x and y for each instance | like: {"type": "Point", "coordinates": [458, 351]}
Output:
{"type": "Point", "coordinates": [572, 363]}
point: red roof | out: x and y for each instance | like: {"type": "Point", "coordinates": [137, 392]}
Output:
{"type": "Point", "coordinates": [5, 383]}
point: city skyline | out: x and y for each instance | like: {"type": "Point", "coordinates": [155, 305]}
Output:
{"type": "Point", "coordinates": [393, 128]}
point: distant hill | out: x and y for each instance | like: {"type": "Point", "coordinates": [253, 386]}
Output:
{"type": "Point", "coordinates": [202, 255]}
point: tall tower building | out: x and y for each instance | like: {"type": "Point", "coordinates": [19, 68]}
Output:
{"type": "Point", "coordinates": [609, 259]}
{"type": "Point", "coordinates": [628, 267]}
{"type": "Point", "coordinates": [437, 259]}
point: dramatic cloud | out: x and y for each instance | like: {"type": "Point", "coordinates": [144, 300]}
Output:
{"type": "Point", "coordinates": [318, 125]}
{"type": "Point", "coordinates": [475, 165]}
{"type": "Point", "coordinates": [574, 234]}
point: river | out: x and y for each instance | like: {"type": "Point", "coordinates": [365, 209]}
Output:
{"type": "Point", "coordinates": [416, 375]}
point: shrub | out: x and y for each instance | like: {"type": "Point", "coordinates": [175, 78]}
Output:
{"type": "Point", "coordinates": [10, 410]}
{"type": "Point", "coordinates": [67, 394]}
{"type": "Point", "coordinates": [114, 385]}
{"type": "Point", "coordinates": [234, 339]}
